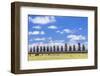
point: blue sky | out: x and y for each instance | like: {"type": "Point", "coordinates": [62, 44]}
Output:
{"type": "Point", "coordinates": [58, 29]}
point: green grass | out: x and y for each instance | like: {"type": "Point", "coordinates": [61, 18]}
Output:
{"type": "Point", "coordinates": [32, 57]}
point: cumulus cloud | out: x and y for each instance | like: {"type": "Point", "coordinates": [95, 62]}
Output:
{"type": "Point", "coordinates": [49, 38]}
{"type": "Point", "coordinates": [34, 33]}
{"type": "Point", "coordinates": [39, 39]}
{"type": "Point", "coordinates": [37, 32]}
{"type": "Point", "coordinates": [42, 32]}
{"type": "Point", "coordinates": [64, 31]}
{"type": "Point", "coordinates": [36, 27]}
{"type": "Point", "coordinates": [71, 42]}
{"type": "Point", "coordinates": [80, 28]}
{"type": "Point", "coordinates": [56, 41]}
{"type": "Point", "coordinates": [52, 27]}
{"type": "Point", "coordinates": [67, 30]}
{"type": "Point", "coordinates": [42, 19]}
{"type": "Point", "coordinates": [59, 41]}
{"type": "Point", "coordinates": [76, 37]}
{"type": "Point", "coordinates": [61, 32]}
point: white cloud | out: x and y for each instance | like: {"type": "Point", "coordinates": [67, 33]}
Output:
{"type": "Point", "coordinates": [67, 30]}
{"type": "Point", "coordinates": [71, 42]}
{"type": "Point", "coordinates": [49, 38]}
{"type": "Point", "coordinates": [39, 39]}
{"type": "Point", "coordinates": [37, 32]}
{"type": "Point", "coordinates": [56, 41]}
{"type": "Point", "coordinates": [36, 27]}
{"type": "Point", "coordinates": [42, 32]}
{"type": "Point", "coordinates": [59, 41]}
{"type": "Point", "coordinates": [52, 27]}
{"type": "Point", "coordinates": [76, 37]}
{"type": "Point", "coordinates": [34, 33]}
{"type": "Point", "coordinates": [80, 28]}
{"type": "Point", "coordinates": [42, 20]}
{"type": "Point", "coordinates": [64, 31]}
{"type": "Point", "coordinates": [61, 32]}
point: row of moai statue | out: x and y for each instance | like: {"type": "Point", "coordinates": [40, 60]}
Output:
{"type": "Point", "coordinates": [57, 48]}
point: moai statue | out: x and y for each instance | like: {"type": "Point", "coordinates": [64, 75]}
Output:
{"type": "Point", "coordinates": [47, 48]}
{"type": "Point", "coordinates": [44, 49]}
{"type": "Point", "coordinates": [30, 50]}
{"type": "Point", "coordinates": [62, 49]}
{"type": "Point", "coordinates": [33, 49]}
{"type": "Point", "coordinates": [83, 48]}
{"type": "Point", "coordinates": [58, 49]}
{"type": "Point", "coordinates": [74, 48]}
{"type": "Point", "coordinates": [70, 48]}
{"type": "Point", "coordinates": [66, 47]}
{"type": "Point", "coordinates": [40, 49]}
{"type": "Point", "coordinates": [54, 48]}
{"type": "Point", "coordinates": [79, 47]}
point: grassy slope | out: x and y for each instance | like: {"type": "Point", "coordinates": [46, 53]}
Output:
{"type": "Point", "coordinates": [57, 56]}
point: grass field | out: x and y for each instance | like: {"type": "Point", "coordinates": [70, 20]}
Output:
{"type": "Point", "coordinates": [32, 57]}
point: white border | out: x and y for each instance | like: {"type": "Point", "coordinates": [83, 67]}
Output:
{"type": "Point", "coordinates": [25, 64]}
